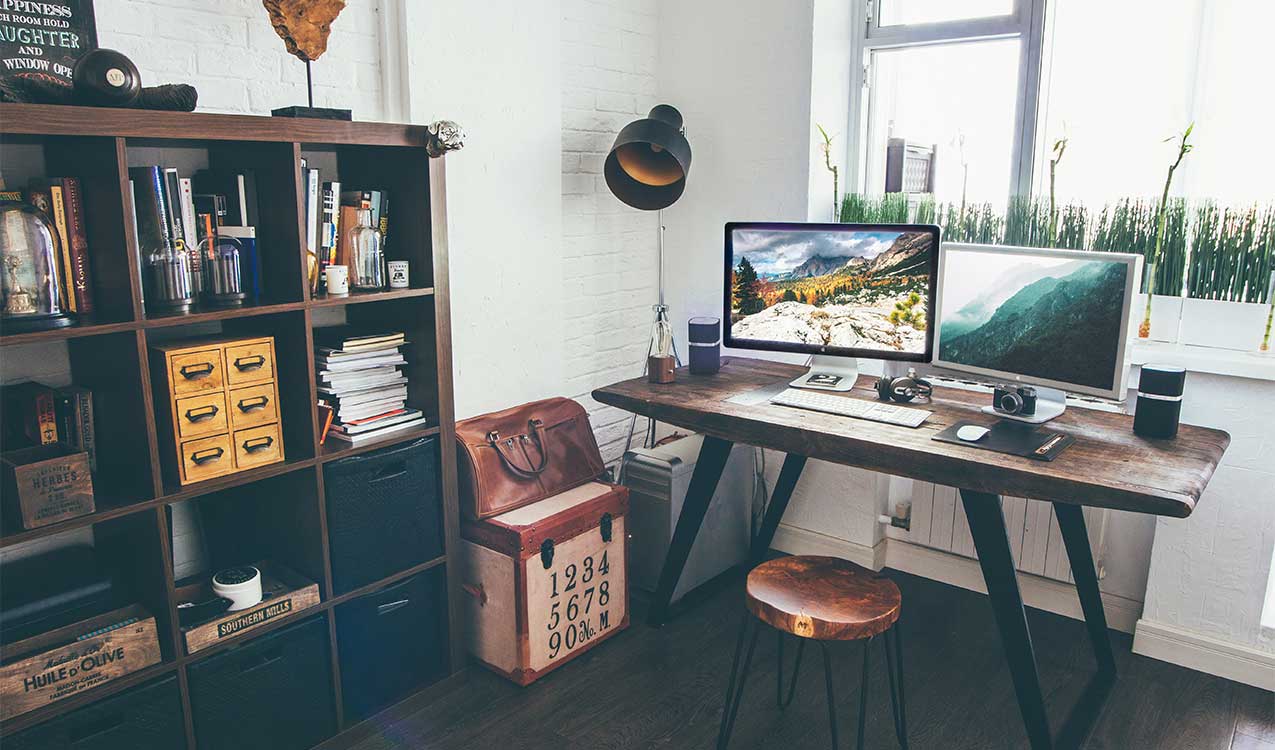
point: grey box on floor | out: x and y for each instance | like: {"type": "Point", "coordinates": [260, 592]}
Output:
{"type": "Point", "coordinates": [657, 479]}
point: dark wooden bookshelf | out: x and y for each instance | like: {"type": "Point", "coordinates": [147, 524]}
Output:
{"type": "Point", "coordinates": [108, 354]}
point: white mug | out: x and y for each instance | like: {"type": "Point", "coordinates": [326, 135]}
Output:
{"type": "Point", "coordinates": [338, 278]}
{"type": "Point", "coordinates": [398, 274]}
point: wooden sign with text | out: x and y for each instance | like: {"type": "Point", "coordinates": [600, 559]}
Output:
{"type": "Point", "coordinates": [46, 484]}
{"type": "Point", "coordinates": [43, 40]}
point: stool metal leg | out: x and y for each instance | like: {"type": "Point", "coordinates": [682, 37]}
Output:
{"type": "Point", "coordinates": [735, 692]}
{"type": "Point", "coordinates": [832, 698]}
{"type": "Point", "coordinates": [796, 669]}
{"type": "Point", "coordinates": [893, 664]}
{"type": "Point", "coordinates": [863, 694]}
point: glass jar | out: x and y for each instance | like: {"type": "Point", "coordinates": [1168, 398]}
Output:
{"type": "Point", "coordinates": [223, 282]}
{"type": "Point", "coordinates": [31, 282]}
{"type": "Point", "coordinates": [367, 257]}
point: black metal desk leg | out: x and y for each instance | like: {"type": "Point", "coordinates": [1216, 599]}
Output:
{"type": "Point", "coordinates": [1071, 522]}
{"type": "Point", "coordinates": [987, 526]}
{"type": "Point", "coordinates": [708, 469]}
{"type": "Point", "coordinates": [788, 476]}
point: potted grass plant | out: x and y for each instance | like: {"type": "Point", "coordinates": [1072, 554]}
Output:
{"type": "Point", "coordinates": [1130, 226]}
{"type": "Point", "coordinates": [1155, 258]}
{"type": "Point", "coordinates": [1228, 302]}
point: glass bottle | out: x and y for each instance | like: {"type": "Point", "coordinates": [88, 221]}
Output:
{"type": "Point", "coordinates": [367, 259]}
{"type": "Point", "coordinates": [223, 282]}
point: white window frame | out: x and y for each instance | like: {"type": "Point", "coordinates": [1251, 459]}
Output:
{"type": "Point", "coordinates": [1027, 23]}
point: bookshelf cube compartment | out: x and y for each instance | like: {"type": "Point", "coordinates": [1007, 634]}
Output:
{"type": "Point", "coordinates": [260, 184]}
{"type": "Point", "coordinates": [97, 263]}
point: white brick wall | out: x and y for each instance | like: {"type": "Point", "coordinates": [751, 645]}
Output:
{"type": "Point", "coordinates": [609, 51]}
{"type": "Point", "coordinates": [229, 51]}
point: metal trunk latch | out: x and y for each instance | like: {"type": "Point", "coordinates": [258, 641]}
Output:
{"type": "Point", "coordinates": [546, 553]}
{"type": "Point", "coordinates": [605, 527]}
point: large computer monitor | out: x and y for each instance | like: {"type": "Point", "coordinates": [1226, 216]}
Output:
{"type": "Point", "coordinates": [1041, 317]}
{"type": "Point", "coordinates": [845, 290]}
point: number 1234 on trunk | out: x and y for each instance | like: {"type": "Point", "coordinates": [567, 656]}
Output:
{"type": "Point", "coordinates": [547, 581]}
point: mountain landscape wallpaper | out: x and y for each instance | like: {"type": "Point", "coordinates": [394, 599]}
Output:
{"type": "Point", "coordinates": [1054, 318]}
{"type": "Point", "coordinates": [855, 290]}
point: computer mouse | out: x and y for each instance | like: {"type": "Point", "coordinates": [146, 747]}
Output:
{"type": "Point", "coordinates": [972, 433]}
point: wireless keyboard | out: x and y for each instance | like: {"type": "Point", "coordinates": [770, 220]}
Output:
{"type": "Point", "coordinates": [875, 411]}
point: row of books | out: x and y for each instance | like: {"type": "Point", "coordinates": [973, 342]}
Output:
{"type": "Point", "coordinates": [176, 213]}
{"type": "Point", "coordinates": [330, 215]}
{"type": "Point", "coordinates": [362, 390]}
{"type": "Point", "coordinates": [38, 414]}
{"type": "Point", "coordinates": [62, 201]}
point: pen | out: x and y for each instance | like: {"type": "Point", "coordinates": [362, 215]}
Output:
{"type": "Point", "coordinates": [1048, 444]}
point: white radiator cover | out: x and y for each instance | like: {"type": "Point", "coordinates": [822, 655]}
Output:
{"type": "Point", "coordinates": [938, 521]}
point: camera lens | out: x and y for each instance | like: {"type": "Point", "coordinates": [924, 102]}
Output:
{"type": "Point", "coordinates": [1011, 403]}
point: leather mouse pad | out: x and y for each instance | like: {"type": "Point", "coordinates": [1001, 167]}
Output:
{"type": "Point", "coordinates": [1014, 438]}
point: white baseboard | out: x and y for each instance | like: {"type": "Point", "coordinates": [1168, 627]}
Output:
{"type": "Point", "coordinates": [1040, 593]}
{"type": "Point", "coordinates": [1205, 654]}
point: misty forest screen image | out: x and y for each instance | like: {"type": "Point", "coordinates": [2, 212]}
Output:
{"type": "Point", "coordinates": [1052, 318]}
{"type": "Point", "coordinates": [847, 289]}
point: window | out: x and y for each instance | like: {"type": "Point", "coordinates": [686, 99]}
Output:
{"type": "Point", "coordinates": [990, 85]}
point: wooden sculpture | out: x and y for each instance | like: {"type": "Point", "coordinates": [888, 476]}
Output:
{"type": "Point", "coordinates": [304, 26]}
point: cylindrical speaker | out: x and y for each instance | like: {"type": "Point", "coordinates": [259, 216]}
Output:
{"type": "Point", "coordinates": [705, 337]}
{"type": "Point", "coordinates": [1159, 401]}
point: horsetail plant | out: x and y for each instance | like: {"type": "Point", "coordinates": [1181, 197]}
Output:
{"type": "Point", "coordinates": [1184, 148]}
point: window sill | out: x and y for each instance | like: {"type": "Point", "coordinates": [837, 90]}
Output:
{"type": "Point", "coordinates": [1205, 359]}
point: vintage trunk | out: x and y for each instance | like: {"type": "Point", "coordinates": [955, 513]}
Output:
{"type": "Point", "coordinates": [546, 582]}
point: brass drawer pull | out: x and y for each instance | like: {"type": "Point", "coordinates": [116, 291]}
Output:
{"type": "Point", "coordinates": [202, 457]}
{"type": "Point", "coordinates": [258, 444]}
{"type": "Point", "coordinates": [195, 372]}
{"type": "Point", "coordinates": [202, 413]}
{"type": "Point", "coordinates": [253, 404]}
{"type": "Point", "coordinates": [246, 364]}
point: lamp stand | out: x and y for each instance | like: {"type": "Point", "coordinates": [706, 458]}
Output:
{"type": "Point", "coordinates": [661, 318]}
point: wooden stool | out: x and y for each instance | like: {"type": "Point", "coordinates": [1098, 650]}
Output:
{"type": "Point", "coordinates": [820, 599]}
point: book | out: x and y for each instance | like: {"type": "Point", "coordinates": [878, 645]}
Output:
{"type": "Point", "coordinates": [30, 415]}
{"type": "Point", "coordinates": [360, 364]}
{"type": "Point", "coordinates": [363, 395]}
{"type": "Point", "coordinates": [377, 421]}
{"type": "Point", "coordinates": [249, 258]}
{"type": "Point", "coordinates": [312, 210]}
{"type": "Point", "coordinates": [352, 387]}
{"type": "Point", "coordinates": [190, 231]}
{"type": "Point", "coordinates": [132, 215]}
{"type": "Point", "coordinates": [329, 225]}
{"type": "Point", "coordinates": [154, 232]}
{"type": "Point", "coordinates": [77, 235]}
{"type": "Point", "coordinates": [346, 414]}
{"type": "Point", "coordinates": [238, 188]}
{"type": "Point", "coordinates": [46, 195]}
{"type": "Point", "coordinates": [84, 427]}
{"type": "Point", "coordinates": [359, 377]}
{"type": "Point", "coordinates": [349, 338]}
{"type": "Point", "coordinates": [211, 204]}
{"type": "Point", "coordinates": [374, 435]}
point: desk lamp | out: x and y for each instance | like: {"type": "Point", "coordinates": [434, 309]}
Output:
{"type": "Point", "coordinates": [646, 169]}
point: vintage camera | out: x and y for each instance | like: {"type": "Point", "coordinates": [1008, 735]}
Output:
{"type": "Point", "coordinates": [1010, 399]}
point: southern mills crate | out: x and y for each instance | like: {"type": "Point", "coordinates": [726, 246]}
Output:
{"type": "Point", "coordinates": [546, 582]}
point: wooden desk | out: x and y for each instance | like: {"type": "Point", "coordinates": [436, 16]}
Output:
{"type": "Point", "coordinates": [1107, 467]}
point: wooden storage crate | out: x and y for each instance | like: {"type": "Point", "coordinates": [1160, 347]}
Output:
{"type": "Point", "coordinates": [67, 661]}
{"type": "Point", "coordinates": [546, 582]}
{"type": "Point", "coordinates": [283, 594]}
{"type": "Point", "coordinates": [45, 484]}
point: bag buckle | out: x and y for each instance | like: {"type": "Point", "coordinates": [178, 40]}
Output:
{"type": "Point", "coordinates": [493, 436]}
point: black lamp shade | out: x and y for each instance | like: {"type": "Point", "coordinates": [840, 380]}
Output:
{"type": "Point", "coordinates": [648, 163]}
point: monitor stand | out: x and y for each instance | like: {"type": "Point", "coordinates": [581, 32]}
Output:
{"type": "Point", "coordinates": [1050, 403]}
{"type": "Point", "coordinates": [829, 373]}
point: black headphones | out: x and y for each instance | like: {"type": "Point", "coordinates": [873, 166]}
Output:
{"type": "Point", "coordinates": [904, 389]}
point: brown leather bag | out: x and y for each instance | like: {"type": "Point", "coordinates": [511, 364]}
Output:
{"type": "Point", "coordinates": [511, 458]}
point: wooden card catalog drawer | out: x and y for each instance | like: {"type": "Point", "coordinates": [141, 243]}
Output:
{"type": "Point", "coordinates": [201, 415]}
{"type": "Point", "coordinates": [253, 405]}
{"type": "Point", "coordinates": [217, 406]}
{"type": "Point", "coordinates": [206, 458]}
{"type": "Point", "coordinates": [252, 362]}
{"type": "Point", "coordinates": [196, 372]}
{"type": "Point", "coordinates": [257, 446]}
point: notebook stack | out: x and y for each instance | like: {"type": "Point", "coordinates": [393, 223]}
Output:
{"type": "Point", "coordinates": [361, 381]}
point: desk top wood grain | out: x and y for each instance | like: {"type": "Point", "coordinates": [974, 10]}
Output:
{"type": "Point", "coordinates": [1108, 466]}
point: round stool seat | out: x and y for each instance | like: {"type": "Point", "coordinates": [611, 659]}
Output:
{"type": "Point", "coordinates": [823, 598]}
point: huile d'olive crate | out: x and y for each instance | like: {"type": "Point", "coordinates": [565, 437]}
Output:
{"type": "Point", "coordinates": [546, 582]}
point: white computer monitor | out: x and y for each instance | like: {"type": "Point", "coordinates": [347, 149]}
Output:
{"type": "Point", "coordinates": [1042, 317]}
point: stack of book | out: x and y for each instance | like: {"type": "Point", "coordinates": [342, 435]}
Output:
{"type": "Point", "coordinates": [360, 380]}
{"type": "Point", "coordinates": [37, 414]}
{"type": "Point", "coordinates": [331, 215]}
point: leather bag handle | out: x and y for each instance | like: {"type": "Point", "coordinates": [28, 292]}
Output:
{"type": "Point", "coordinates": [508, 459]}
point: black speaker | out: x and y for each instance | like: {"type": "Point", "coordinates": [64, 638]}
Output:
{"type": "Point", "coordinates": [384, 512]}
{"type": "Point", "coordinates": [148, 717]}
{"type": "Point", "coordinates": [1159, 401]}
{"type": "Point", "coordinates": [705, 336]}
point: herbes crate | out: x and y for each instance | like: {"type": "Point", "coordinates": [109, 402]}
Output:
{"type": "Point", "coordinates": [67, 661]}
{"type": "Point", "coordinates": [546, 582]}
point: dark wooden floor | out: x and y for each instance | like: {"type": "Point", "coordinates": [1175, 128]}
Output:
{"type": "Point", "coordinates": [650, 688]}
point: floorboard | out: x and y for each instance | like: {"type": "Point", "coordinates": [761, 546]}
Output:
{"type": "Point", "coordinates": [649, 688]}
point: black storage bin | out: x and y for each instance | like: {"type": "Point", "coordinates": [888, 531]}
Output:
{"type": "Point", "coordinates": [148, 717]}
{"type": "Point", "coordinates": [384, 514]}
{"type": "Point", "coordinates": [274, 691]}
{"type": "Point", "coordinates": [392, 642]}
